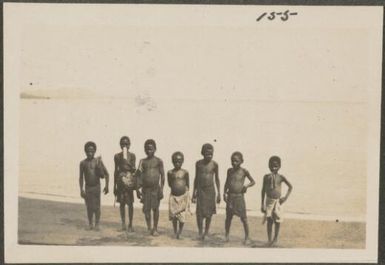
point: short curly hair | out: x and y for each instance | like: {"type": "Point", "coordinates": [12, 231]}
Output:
{"type": "Point", "coordinates": [88, 144]}
{"type": "Point", "coordinates": [178, 153]}
{"type": "Point", "coordinates": [151, 142]}
{"type": "Point", "coordinates": [206, 146]}
{"type": "Point", "coordinates": [274, 159]}
{"type": "Point", "coordinates": [124, 138]}
{"type": "Point", "coordinates": [238, 154]}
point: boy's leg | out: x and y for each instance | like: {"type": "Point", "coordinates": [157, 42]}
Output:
{"type": "Point", "coordinates": [88, 200]}
{"type": "Point", "coordinates": [175, 225]}
{"type": "Point", "coordinates": [229, 217]}
{"type": "Point", "coordinates": [130, 216]}
{"type": "Point", "coordinates": [123, 214]}
{"type": "Point", "coordinates": [277, 227]}
{"type": "Point", "coordinates": [147, 216]}
{"type": "Point", "coordinates": [147, 209]}
{"type": "Point", "coordinates": [207, 227]}
{"type": "Point", "coordinates": [96, 206]}
{"type": "Point", "coordinates": [246, 228]}
{"type": "Point", "coordinates": [269, 228]}
{"type": "Point", "coordinates": [97, 218]}
{"type": "Point", "coordinates": [200, 225]}
{"type": "Point", "coordinates": [156, 219]}
{"type": "Point", "coordinates": [181, 224]}
{"type": "Point", "coordinates": [90, 216]}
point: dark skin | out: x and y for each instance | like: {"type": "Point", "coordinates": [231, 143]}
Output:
{"type": "Point", "coordinates": [87, 174]}
{"type": "Point", "coordinates": [206, 171]}
{"type": "Point", "coordinates": [178, 181]}
{"type": "Point", "coordinates": [127, 166]}
{"type": "Point", "coordinates": [274, 193]}
{"type": "Point", "coordinates": [235, 183]}
{"type": "Point", "coordinates": [152, 174]}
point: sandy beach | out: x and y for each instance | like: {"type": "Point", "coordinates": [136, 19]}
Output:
{"type": "Point", "coordinates": [45, 222]}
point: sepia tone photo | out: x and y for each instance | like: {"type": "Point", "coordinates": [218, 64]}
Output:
{"type": "Point", "coordinates": [198, 133]}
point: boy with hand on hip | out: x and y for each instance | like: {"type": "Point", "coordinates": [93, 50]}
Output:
{"type": "Point", "coordinates": [233, 194]}
{"type": "Point", "coordinates": [272, 200]}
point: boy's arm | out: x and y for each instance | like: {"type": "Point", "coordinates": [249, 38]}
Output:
{"type": "Point", "coordinates": [263, 192]}
{"type": "Point", "coordinates": [138, 173]}
{"type": "Point", "coordinates": [194, 195]}
{"type": "Point", "coordinates": [217, 183]}
{"type": "Point", "coordinates": [106, 176]}
{"type": "Point", "coordinates": [162, 178]}
{"type": "Point", "coordinates": [226, 187]}
{"type": "Point", "coordinates": [283, 199]}
{"type": "Point", "coordinates": [137, 176]}
{"type": "Point", "coordinates": [106, 186]}
{"type": "Point", "coordinates": [251, 180]}
{"type": "Point", "coordinates": [81, 173]}
{"type": "Point", "coordinates": [169, 179]}
{"type": "Point", "coordinates": [187, 180]}
{"type": "Point", "coordinates": [115, 175]}
{"type": "Point", "coordinates": [133, 169]}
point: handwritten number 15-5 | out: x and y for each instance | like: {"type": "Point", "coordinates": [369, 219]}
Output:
{"type": "Point", "coordinates": [284, 16]}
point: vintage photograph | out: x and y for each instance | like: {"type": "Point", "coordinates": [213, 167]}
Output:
{"type": "Point", "coordinates": [248, 132]}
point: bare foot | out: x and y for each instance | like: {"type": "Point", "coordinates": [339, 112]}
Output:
{"type": "Point", "coordinates": [273, 243]}
{"type": "Point", "coordinates": [227, 238]}
{"type": "Point", "coordinates": [177, 236]}
{"type": "Point", "coordinates": [247, 241]}
{"type": "Point", "coordinates": [130, 229]}
{"type": "Point", "coordinates": [123, 227]}
{"type": "Point", "coordinates": [90, 227]}
{"type": "Point", "coordinates": [97, 228]}
{"type": "Point", "coordinates": [201, 237]}
{"type": "Point", "coordinates": [155, 232]}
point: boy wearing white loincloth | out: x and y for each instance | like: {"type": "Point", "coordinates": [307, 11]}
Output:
{"type": "Point", "coordinates": [179, 201]}
{"type": "Point", "coordinates": [271, 203]}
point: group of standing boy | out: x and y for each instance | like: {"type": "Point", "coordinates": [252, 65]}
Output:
{"type": "Point", "coordinates": [148, 180]}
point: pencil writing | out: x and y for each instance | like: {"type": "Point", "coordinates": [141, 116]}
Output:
{"type": "Point", "coordinates": [284, 16]}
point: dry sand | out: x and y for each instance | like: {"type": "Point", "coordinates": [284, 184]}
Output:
{"type": "Point", "coordinates": [60, 223]}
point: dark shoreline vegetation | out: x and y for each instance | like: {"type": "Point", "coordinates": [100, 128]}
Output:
{"type": "Point", "coordinates": [32, 96]}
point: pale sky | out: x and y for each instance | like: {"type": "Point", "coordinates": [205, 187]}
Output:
{"type": "Point", "coordinates": [186, 60]}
